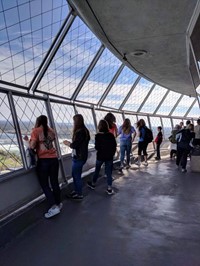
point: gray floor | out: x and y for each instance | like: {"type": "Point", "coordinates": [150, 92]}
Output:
{"type": "Point", "coordinates": [153, 219]}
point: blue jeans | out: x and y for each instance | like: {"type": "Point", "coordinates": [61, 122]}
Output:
{"type": "Point", "coordinates": [47, 169]}
{"type": "Point", "coordinates": [77, 166]}
{"type": "Point", "coordinates": [125, 147]}
{"type": "Point", "coordinates": [108, 171]}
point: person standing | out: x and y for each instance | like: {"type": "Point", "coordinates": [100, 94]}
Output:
{"type": "Point", "coordinates": [42, 138]}
{"type": "Point", "coordinates": [111, 120]}
{"type": "Point", "coordinates": [158, 141]}
{"type": "Point", "coordinates": [142, 144]}
{"type": "Point", "coordinates": [173, 141]}
{"type": "Point", "coordinates": [105, 144]}
{"type": "Point", "coordinates": [184, 138]}
{"type": "Point", "coordinates": [181, 125]}
{"type": "Point", "coordinates": [79, 146]}
{"type": "Point", "coordinates": [127, 135]}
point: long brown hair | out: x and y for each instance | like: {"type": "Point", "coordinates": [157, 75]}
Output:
{"type": "Point", "coordinates": [110, 118]}
{"type": "Point", "coordinates": [126, 127]}
{"type": "Point", "coordinates": [42, 121]}
{"type": "Point", "coordinates": [78, 124]}
{"type": "Point", "coordinates": [141, 123]}
{"type": "Point", "coordinates": [103, 126]}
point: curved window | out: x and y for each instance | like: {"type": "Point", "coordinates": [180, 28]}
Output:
{"type": "Point", "coordinates": [100, 115]}
{"type": "Point", "coordinates": [167, 127]}
{"type": "Point", "coordinates": [71, 61]}
{"type": "Point", "coordinates": [138, 95]}
{"type": "Point", "coordinates": [63, 119]}
{"type": "Point", "coordinates": [99, 78]}
{"type": "Point", "coordinates": [154, 99]}
{"type": "Point", "coordinates": [183, 106]}
{"type": "Point", "coordinates": [195, 111]}
{"type": "Point", "coordinates": [155, 123]}
{"type": "Point", "coordinates": [120, 89]}
{"type": "Point", "coordinates": [168, 103]}
{"type": "Point", "coordinates": [27, 30]}
{"type": "Point", "coordinates": [10, 155]}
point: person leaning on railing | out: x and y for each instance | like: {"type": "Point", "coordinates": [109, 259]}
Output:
{"type": "Point", "coordinates": [42, 138]}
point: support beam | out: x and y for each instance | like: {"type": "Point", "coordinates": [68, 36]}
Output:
{"type": "Point", "coordinates": [178, 101]}
{"type": "Point", "coordinates": [110, 85]}
{"type": "Point", "coordinates": [52, 124]}
{"type": "Point", "coordinates": [158, 107]}
{"type": "Point", "coordinates": [51, 53]}
{"type": "Point", "coordinates": [17, 128]}
{"type": "Point", "coordinates": [190, 108]}
{"type": "Point", "coordinates": [130, 92]}
{"type": "Point", "coordinates": [147, 96]}
{"type": "Point", "coordinates": [87, 73]}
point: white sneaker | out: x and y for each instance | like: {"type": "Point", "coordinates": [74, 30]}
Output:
{"type": "Point", "coordinates": [145, 163]}
{"type": "Point", "coordinates": [183, 170]}
{"type": "Point", "coordinates": [52, 212]}
{"type": "Point", "coordinates": [60, 206]}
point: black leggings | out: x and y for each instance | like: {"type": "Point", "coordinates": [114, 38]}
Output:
{"type": "Point", "coordinates": [47, 169]}
{"type": "Point", "coordinates": [142, 147]}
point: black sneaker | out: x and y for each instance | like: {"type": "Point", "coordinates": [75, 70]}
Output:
{"type": "Point", "coordinates": [71, 194]}
{"type": "Point", "coordinates": [109, 191]}
{"type": "Point", "coordinates": [77, 197]}
{"type": "Point", "coordinates": [90, 185]}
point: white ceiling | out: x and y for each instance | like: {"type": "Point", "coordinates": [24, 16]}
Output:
{"type": "Point", "coordinates": [156, 26]}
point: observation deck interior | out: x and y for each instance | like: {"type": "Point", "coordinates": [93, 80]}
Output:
{"type": "Point", "coordinates": [135, 59]}
{"type": "Point", "coordinates": [152, 219]}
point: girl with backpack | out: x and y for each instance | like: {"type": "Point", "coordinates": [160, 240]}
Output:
{"type": "Point", "coordinates": [142, 143]}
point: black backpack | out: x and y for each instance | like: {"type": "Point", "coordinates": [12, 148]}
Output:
{"type": "Point", "coordinates": [148, 136]}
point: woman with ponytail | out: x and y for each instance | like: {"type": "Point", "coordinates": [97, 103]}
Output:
{"type": "Point", "coordinates": [42, 138]}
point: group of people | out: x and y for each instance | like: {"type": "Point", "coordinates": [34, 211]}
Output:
{"type": "Point", "coordinates": [183, 139]}
{"type": "Point", "coordinates": [42, 141]}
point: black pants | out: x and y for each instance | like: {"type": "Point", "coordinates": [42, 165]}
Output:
{"type": "Point", "coordinates": [47, 170]}
{"type": "Point", "coordinates": [158, 150]}
{"type": "Point", "coordinates": [172, 152]}
{"type": "Point", "coordinates": [181, 158]}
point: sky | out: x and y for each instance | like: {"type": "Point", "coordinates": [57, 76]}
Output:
{"type": "Point", "coordinates": [27, 29]}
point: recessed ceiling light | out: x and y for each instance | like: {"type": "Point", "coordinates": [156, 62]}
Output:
{"type": "Point", "coordinates": [139, 53]}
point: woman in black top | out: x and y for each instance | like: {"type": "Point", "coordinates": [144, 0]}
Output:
{"type": "Point", "coordinates": [79, 144]}
{"type": "Point", "coordinates": [105, 144]}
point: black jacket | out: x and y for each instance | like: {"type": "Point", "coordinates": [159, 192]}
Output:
{"type": "Point", "coordinates": [80, 144]}
{"type": "Point", "coordinates": [105, 144]}
{"type": "Point", "coordinates": [184, 138]}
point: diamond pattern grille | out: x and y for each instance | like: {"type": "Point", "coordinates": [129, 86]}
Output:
{"type": "Point", "coordinates": [71, 61]}
{"type": "Point", "coordinates": [10, 156]}
{"type": "Point", "coordinates": [27, 29]}
{"type": "Point", "coordinates": [63, 118]}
